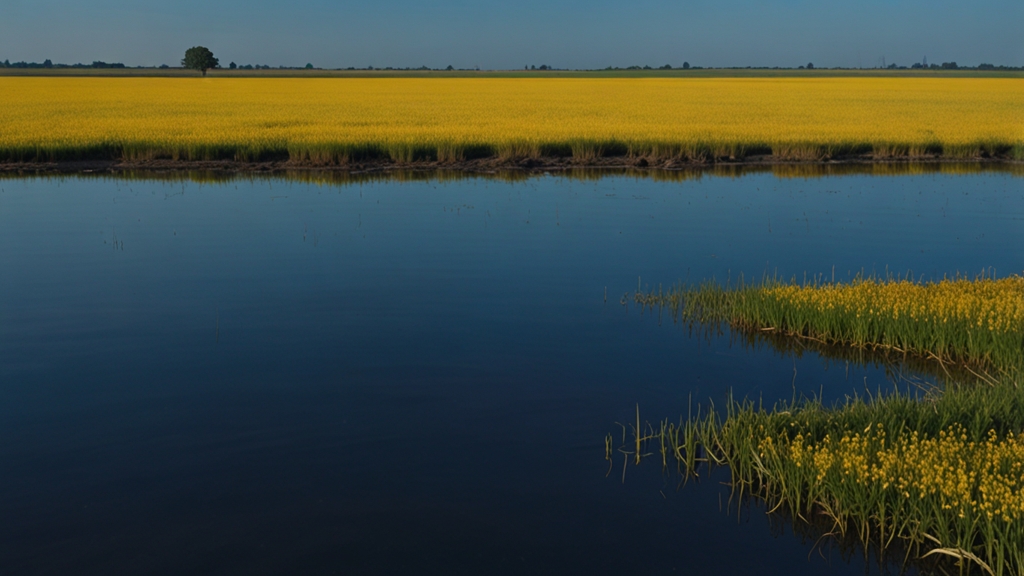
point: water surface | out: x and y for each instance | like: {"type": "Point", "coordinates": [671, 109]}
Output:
{"type": "Point", "coordinates": [274, 376]}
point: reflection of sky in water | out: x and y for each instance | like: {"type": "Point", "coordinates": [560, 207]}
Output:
{"type": "Point", "coordinates": [411, 376]}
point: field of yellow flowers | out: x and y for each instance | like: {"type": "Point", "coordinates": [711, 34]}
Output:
{"type": "Point", "coordinates": [334, 120]}
{"type": "Point", "coordinates": [977, 322]}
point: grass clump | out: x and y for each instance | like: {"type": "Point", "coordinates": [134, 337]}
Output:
{"type": "Point", "coordinates": [938, 475]}
{"type": "Point", "coordinates": [973, 322]}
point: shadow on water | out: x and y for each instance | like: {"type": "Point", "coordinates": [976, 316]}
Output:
{"type": "Point", "coordinates": [821, 536]}
{"type": "Point", "coordinates": [898, 367]}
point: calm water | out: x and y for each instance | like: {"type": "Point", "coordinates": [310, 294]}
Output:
{"type": "Point", "coordinates": [265, 377]}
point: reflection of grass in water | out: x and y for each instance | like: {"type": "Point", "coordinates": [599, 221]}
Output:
{"type": "Point", "coordinates": [937, 473]}
{"type": "Point", "coordinates": [897, 366]}
{"type": "Point", "coordinates": [513, 174]}
{"type": "Point", "coordinates": [893, 169]}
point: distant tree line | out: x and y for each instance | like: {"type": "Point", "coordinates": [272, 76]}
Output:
{"type": "Point", "coordinates": [48, 64]}
{"type": "Point", "coordinates": [543, 67]}
{"type": "Point", "coordinates": [953, 66]}
{"type": "Point", "coordinates": [233, 66]}
{"type": "Point", "coordinates": [685, 66]}
{"type": "Point", "coordinates": [811, 66]}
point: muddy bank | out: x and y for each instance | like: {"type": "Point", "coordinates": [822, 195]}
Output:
{"type": "Point", "coordinates": [492, 165]}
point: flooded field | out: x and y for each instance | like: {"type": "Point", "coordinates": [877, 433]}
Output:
{"type": "Point", "coordinates": [416, 375]}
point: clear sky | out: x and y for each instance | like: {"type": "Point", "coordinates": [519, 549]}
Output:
{"type": "Point", "coordinates": [511, 34]}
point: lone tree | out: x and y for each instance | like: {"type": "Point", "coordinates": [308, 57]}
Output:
{"type": "Point", "coordinates": [199, 58]}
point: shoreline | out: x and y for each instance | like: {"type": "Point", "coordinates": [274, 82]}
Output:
{"type": "Point", "coordinates": [485, 166]}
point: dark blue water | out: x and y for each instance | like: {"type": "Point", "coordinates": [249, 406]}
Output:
{"type": "Point", "coordinates": [266, 377]}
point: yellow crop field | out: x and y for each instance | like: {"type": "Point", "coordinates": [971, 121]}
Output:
{"type": "Point", "coordinates": [334, 120]}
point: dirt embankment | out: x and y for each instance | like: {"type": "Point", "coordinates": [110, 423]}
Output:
{"type": "Point", "coordinates": [483, 165]}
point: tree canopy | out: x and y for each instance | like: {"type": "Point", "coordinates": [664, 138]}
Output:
{"type": "Point", "coordinates": [199, 58]}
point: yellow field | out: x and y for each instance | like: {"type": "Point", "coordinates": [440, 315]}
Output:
{"type": "Point", "coordinates": [995, 305]}
{"type": "Point", "coordinates": [977, 322]}
{"type": "Point", "coordinates": [965, 477]}
{"type": "Point", "coordinates": [408, 119]}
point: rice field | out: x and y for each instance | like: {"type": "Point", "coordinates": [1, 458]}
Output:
{"type": "Point", "coordinates": [340, 120]}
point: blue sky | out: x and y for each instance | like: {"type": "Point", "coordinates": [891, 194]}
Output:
{"type": "Point", "coordinates": [502, 35]}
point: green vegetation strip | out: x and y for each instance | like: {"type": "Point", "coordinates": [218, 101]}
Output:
{"type": "Point", "coordinates": [974, 322]}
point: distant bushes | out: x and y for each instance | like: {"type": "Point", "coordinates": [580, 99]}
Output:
{"type": "Point", "coordinates": [48, 64]}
